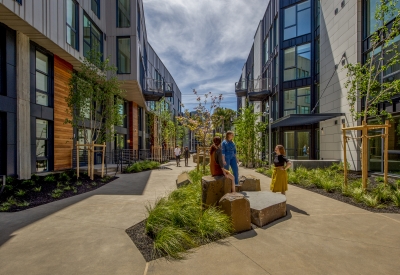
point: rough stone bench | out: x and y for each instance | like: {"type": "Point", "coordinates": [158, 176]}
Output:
{"type": "Point", "coordinates": [249, 183]}
{"type": "Point", "coordinates": [213, 189]}
{"type": "Point", "coordinates": [237, 206]}
{"type": "Point", "coordinates": [265, 206]}
{"type": "Point", "coordinates": [182, 180]}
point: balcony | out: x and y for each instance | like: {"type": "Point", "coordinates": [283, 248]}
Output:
{"type": "Point", "coordinates": [155, 90]}
{"type": "Point", "coordinates": [241, 88]}
{"type": "Point", "coordinates": [259, 89]}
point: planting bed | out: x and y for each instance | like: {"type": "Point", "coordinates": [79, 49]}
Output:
{"type": "Point", "coordinates": [23, 194]}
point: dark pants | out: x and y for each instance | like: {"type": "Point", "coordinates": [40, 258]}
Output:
{"type": "Point", "coordinates": [186, 161]}
{"type": "Point", "coordinates": [178, 160]}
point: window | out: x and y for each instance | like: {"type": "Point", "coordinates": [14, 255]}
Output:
{"type": "Point", "coordinates": [266, 50]}
{"type": "Point", "coordinates": [138, 20]}
{"type": "Point", "coordinates": [297, 101]}
{"type": "Point", "coordinates": [19, 2]}
{"type": "Point", "coordinates": [124, 55]}
{"type": "Point", "coordinates": [317, 50]}
{"type": "Point", "coordinates": [96, 7]}
{"type": "Point", "coordinates": [42, 127]}
{"type": "Point", "coordinates": [297, 20]}
{"type": "Point", "coordinates": [72, 23]}
{"type": "Point", "coordinates": [276, 74]}
{"type": "Point", "coordinates": [92, 37]}
{"type": "Point", "coordinates": [317, 12]}
{"type": "Point", "coordinates": [123, 13]}
{"type": "Point", "coordinates": [119, 141]}
{"type": "Point", "coordinates": [297, 62]}
{"type": "Point", "coordinates": [370, 22]}
{"type": "Point", "coordinates": [140, 119]}
{"type": "Point", "coordinates": [42, 79]}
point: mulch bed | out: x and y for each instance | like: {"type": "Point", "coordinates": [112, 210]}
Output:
{"type": "Point", "coordinates": [142, 241]}
{"type": "Point", "coordinates": [44, 196]}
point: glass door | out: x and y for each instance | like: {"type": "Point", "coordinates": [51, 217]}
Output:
{"type": "Point", "coordinates": [303, 144]}
{"type": "Point", "coordinates": [289, 144]}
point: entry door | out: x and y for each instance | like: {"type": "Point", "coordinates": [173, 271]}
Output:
{"type": "Point", "coordinates": [303, 144]}
{"type": "Point", "coordinates": [3, 144]}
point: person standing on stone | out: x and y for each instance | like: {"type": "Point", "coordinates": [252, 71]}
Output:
{"type": "Point", "coordinates": [216, 163]}
{"type": "Point", "coordinates": [279, 181]}
{"type": "Point", "coordinates": [229, 155]}
{"type": "Point", "coordinates": [177, 152]}
{"type": "Point", "coordinates": [186, 154]}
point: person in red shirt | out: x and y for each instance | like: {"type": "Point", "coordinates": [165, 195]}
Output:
{"type": "Point", "coordinates": [216, 163]}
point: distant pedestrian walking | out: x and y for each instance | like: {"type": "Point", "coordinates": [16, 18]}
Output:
{"type": "Point", "coordinates": [279, 181]}
{"type": "Point", "coordinates": [229, 155]}
{"type": "Point", "coordinates": [186, 154]}
{"type": "Point", "coordinates": [177, 152]}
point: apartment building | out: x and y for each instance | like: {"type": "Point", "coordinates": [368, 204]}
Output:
{"type": "Point", "coordinates": [41, 43]}
{"type": "Point", "coordinates": [295, 70]}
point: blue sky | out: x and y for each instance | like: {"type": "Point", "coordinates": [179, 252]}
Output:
{"type": "Point", "coordinates": [203, 43]}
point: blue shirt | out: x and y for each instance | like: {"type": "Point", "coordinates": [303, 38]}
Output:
{"type": "Point", "coordinates": [228, 148]}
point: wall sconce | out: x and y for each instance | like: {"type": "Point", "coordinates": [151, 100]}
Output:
{"type": "Point", "coordinates": [129, 141]}
{"type": "Point", "coordinates": [322, 130]}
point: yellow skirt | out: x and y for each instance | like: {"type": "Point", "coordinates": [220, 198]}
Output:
{"type": "Point", "coordinates": [279, 181]}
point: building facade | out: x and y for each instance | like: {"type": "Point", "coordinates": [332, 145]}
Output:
{"type": "Point", "coordinates": [295, 71]}
{"type": "Point", "coordinates": [41, 43]}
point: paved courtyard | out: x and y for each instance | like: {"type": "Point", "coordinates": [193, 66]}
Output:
{"type": "Point", "coordinates": [85, 234]}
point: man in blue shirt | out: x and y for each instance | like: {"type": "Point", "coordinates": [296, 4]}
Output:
{"type": "Point", "coordinates": [229, 155]}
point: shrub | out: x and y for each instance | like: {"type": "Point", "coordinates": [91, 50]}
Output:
{"type": "Point", "coordinates": [329, 185]}
{"type": "Point", "coordinates": [371, 200]}
{"type": "Point", "coordinates": [93, 183]}
{"type": "Point", "coordinates": [28, 182]}
{"type": "Point", "coordinates": [383, 193]}
{"type": "Point", "coordinates": [37, 189]}
{"type": "Point", "coordinates": [57, 193]}
{"type": "Point", "coordinates": [12, 201]}
{"type": "Point", "coordinates": [396, 198]}
{"type": "Point", "coordinates": [49, 178]}
{"type": "Point", "coordinates": [142, 165]}
{"type": "Point", "coordinates": [23, 204]}
{"type": "Point", "coordinates": [379, 179]}
{"type": "Point", "coordinates": [10, 180]}
{"type": "Point", "coordinates": [35, 177]}
{"type": "Point", "coordinates": [74, 190]}
{"type": "Point", "coordinates": [78, 183]}
{"type": "Point", "coordinates": [5, 206]}
{"type": "Point", "coordinates": [67, 188]}
{"type": "Point", "coordinates": [20, 193]}
{"type": "Point", "coordinates": [173, 242]}
{"type": "Point", "coordinates": [64, 177]}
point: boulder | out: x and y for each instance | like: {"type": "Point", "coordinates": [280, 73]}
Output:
{"type": "Point", "coordinates": [265, 206]}
{"type": "Point", "coordinates": [182, 180]}
{"type": "Point", "coordinates": [236, 206]}
{"type": "Point", "coordinates": [213, 189]}
{"type": "Point", "coordinates": [194, 158]}
{"type": "Point", "coordinates": [249, 183]}
{"type": "Point", "coordinates": [238, 188]}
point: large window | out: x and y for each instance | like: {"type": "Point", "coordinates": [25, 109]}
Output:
{"type": "Point", "coordinates": [266, 49]}
{"type": "Point", "coordinates": [124, 55]}
{"type": "Point", "coordinates": [42, 135]}
{"type": "Point", "coordinates": [297, 62]}
{"type": "Point", "coordinates": [297, 20]}
{"type": "Point", "coordinates": [297, 101]}
{"type": "Point", "coordinates": [92, 37]}
{"type": "Point", "coordinates": [371, 24]}
{"type": "Point", "coordinates": [123, 13]}
{"type": "Point", "coordinates": [42, 79]}
{"type": "Point", "coordinates": [72, 24]}
{"type": "Point", "coordinates": [96, 7]}
{"type": "Point", "coordinates": [317, 12]}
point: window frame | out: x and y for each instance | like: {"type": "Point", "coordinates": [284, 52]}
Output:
{"type": "Point", "coordinates": [95, 11]}
{"type": "Point", "coordinates": [48, 80]}
{"type": "Point", "coordinates": [92, 25]}
{"type": "Point", "coordinates": [288, 111]}
{"type": "Point", "coordinates": [296, 54]}
{"type": "Point", "coordinates": [68, 26]}
{"type": "Point", "coordinates": [297, 11]}
{"type": "Point", "coordinates": [128, 16]}
{"type": "Point", "coordinates": [118, 55]}
{"type": "Point", "coordinates": [46, 139]}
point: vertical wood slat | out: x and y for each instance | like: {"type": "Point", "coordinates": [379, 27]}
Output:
{"type": "Point", "coordinates": [63, 133]}
{"type": "Point", "coordinates": [386, 154]}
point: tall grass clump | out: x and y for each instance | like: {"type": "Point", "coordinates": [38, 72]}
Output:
{"type": "Point", "coordinates": [142, 166]}
{"type": "Point", "coordinates": [178, 223]}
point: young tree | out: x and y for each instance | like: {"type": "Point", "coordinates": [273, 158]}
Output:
{"type": "Point", "coordinates": [200, 122]}
{"type": "Point", "coordinates": [95, 99]}
{"type": "Point", "coordinates": [371, 82]}
{"type": "Point", "coordinates": [223, 119]}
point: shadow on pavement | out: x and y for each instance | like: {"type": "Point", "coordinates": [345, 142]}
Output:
{"type": "Point", "coordinates": [289, 210]}
{"type": "Point", "coordinates": [126, 184]}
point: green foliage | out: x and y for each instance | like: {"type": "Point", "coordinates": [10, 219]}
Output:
{"type": "Point", "coordinates": [50, 178]}
{"type": "Point", "coordinates": [95, 94]}
{"type": "Point", "coordinates": [105, 179]}
{"type": "Point", "coordinates": [12, 201]}
{"type": "Point", "coordinates": [396, 198]}
{"type": "Point", "coordinates": [28, 182]}
{"type": "Point", "coordinates": [93, 183]}
{"type": "Point", "coordinates": [364, 80]}
{"type": "Point", "coordinates": [5, 206]}
{"type": "Point", "coordinates": [67, 188]}
{"type": "Point", "coordinates": [10, 180]}
{"type": "Point", "coordinates": [383, 193]}
{"type": "Point", "coordinates": [371, 200]}
{"type": "Point", "coordinates": [78, 183]}
{"type": "Point", "coordinates": [37, 189]}
{"type": "Point", "coordinates": [266, 171]}
{"type": "Point", "coordinates": [222, 119]}
{"type": "Point", "coordinates": [74, 190]}
{"type": "Point", "coordinates": [178, 223]}
{"type": "Point", "coordinates": [248, 138]}
{"type": "Point", "coordinates": [23, 204]}
{"type": "Point", "coordinates": [20, 193]}
{"type": "Point", "coordinates": [35, 177]}
{"type": "Point", "coordinates": [57, 193]}
{"type": "Point", "coordinates": [64, 177]}
{"type": "Point", "coordinates": [142, 166]}
{"type": "Point", "coordinates": [379, 179]}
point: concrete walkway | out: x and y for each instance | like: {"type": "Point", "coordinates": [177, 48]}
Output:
{"type": "Point", "coordinates": [86, 235]}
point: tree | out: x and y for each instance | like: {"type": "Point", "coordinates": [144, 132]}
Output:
{"type": "Point", "coordinates": [248, 138]}
{"type": "Point", "coordinates": [367, 82]}
{"type": "Point", "coordinates": [223, 118]}
{"type": "Point", "coordinates": [200, 121]}
{"type": "Point", "coordinates": [95, 99]}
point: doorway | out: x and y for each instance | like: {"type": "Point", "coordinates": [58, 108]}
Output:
{"type": "Point", "coordinates": [297, 144]}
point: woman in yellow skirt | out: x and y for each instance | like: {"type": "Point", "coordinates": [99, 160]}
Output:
{"type": "Point", "coordinates": [279, 176]}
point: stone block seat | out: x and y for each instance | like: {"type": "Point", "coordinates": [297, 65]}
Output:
{"type": "Point", "coordinates": [182, 180]}
{"type": "Point", "coordinates": [213, 189]}
{"type": "Point", "coordinates": [265, 206]}
{"type": "Point", "coordinates": [237, 206]}
{"type": "Point", "coordinates": [249, 183]}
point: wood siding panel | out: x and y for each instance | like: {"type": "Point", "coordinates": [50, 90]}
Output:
{"type": "Point", "coordinates": [63, 133]}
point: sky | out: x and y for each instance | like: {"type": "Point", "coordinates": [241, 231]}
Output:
{"type": "Point", "coordinates": [204, 43]}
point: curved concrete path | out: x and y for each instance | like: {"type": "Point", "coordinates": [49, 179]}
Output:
{"type": "Point", "coordinates": [86, 235]}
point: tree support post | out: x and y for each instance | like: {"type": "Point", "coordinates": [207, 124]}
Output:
{"type": "Point", "coordinates": [364, 146]}
{"type": "Point", "coordinates": [344, 154]}
{"type": "Point", "coordinates": [386, 154]}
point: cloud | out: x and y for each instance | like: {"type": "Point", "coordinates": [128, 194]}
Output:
{"type": "Point", "coordinates": [203, 43]}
